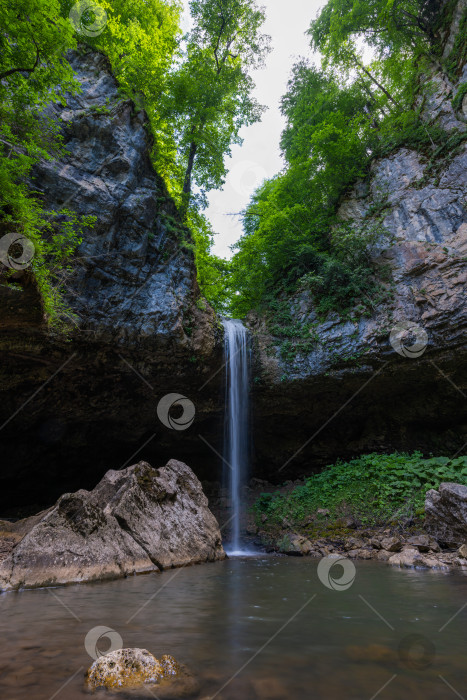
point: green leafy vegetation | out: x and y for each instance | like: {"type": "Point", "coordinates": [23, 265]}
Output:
{"type": "Point", "coordinates": [374, 489]}
{"type": "Point", "coordinates": [359, 105]}
{"type": "Point", "coordinates": [459, 97]}
{"type": "Point", "coordinates": [209, 96]}
{"type": "Point", "coordinates": [33, 71]}
{"type": "Point", "coordinates": [458, 56]}
{"type": "Point", "coordinates": [196, 90]}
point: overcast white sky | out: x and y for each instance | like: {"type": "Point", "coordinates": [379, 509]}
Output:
{"type": "Point", "coordinates": [259, 156]}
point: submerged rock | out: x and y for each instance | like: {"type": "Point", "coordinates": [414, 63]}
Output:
{"type": "Point", "coordinates": [138, 671]}
{"type": "Point", "coordinates": [372, 652]}
{"type": "Point", "coordinates": [135, 520]}
{"type": "Point", "coordinates": [446, 513]}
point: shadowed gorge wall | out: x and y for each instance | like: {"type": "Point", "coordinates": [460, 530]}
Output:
{"type": "Point", "coordinates": [73, 407]}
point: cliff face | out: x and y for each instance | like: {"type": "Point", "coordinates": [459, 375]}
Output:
{"type": "Point", "coordinates": [353, 392]}
{"type": "Point", "coordinates": [133, 283]}
{"type": "Point", "coordinates": [88, 402]}
{"type": "Point", "coordinates": [71, 408]}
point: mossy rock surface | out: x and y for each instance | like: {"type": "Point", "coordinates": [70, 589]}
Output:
{"type": "Point", "coordinates": [138, 673]}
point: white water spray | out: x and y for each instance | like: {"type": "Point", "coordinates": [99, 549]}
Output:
{"type": "Point", "coordinates": [236, 452]}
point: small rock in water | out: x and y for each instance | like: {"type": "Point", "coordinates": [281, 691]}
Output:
{"type": "Point", "coordinates": [270, 689]}
{"type": "Point", "coordinates": [462, 551]}
{"type": "Point", "coordinates": [138, 671]}
{"type": "Point", "coordinates": [410, 558]}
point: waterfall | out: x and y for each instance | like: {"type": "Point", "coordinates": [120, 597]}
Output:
{"type": "Point", "coordinates": [236, 450]}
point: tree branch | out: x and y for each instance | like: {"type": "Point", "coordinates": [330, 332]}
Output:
{"type": "Point", "coordinates": [218, 44]}
{"type": "Point", "coordinates": [373, 79]}
{"type": "Point", "coordinates": [11, 71]}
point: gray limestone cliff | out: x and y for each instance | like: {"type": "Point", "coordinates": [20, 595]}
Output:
{"type": "Point", "coordinates": [352, 392]}
{"type": "Point", "coordinates": [141, 329]}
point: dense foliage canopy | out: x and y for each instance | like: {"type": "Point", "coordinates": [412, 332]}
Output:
{"type": "Point", "coordinates": [197, 91]}
{"type": "Point", "coordinates": [359, 104]}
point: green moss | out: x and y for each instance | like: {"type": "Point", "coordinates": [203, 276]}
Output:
{"type": "Point", "coordinates": [459, 97]}
{"type": "Point", "coordinates": [458, 56]}
{"type": "Point", "coordinates": [201, 304]}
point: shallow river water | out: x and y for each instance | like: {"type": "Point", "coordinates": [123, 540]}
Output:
{"type": "Point", "coordinates": [261, 627]}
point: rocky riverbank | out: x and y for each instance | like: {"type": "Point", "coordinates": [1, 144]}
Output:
{"type": "Point", "coordinates": [419, 551]}
{"type": "Point", "coordinates": [436, 541]}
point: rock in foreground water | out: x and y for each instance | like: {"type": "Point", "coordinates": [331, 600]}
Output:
{"type": "Point", "coordinates": [135, 520]}
{"type": "Point", "coordinates": [138, 671]}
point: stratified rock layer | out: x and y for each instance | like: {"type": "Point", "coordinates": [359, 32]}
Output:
{"type": "Point", "coordinates": [136, 520]}
{"type": "Point", "coordinates": [352, 392]}
{"type": "Point", "coordinates": [90, 399]}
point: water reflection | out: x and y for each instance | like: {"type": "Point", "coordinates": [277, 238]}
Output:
{"type": "Point", "coordinates": [396, 633]}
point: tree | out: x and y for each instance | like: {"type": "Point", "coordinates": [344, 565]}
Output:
{"type": "Point", "coordinates": [338, 118]}
{"type": "Point", "coordinates": [209, 96]}
{"type": "Point", "coordinates": [33, 39]}
{"type": "Point", "coordinates": [213, 273]}
{"type": "Point", "coordinates": [378, 22]}
{"type": "Point", "coordinates": [401, 35]}
{"type": "Point", "coordinates": [34, 71]}
{"type": "Point", "coordinates": [141, 39]}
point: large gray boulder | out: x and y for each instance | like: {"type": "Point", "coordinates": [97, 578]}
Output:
{"type": "Point", "coordinates": [135, 520]}
{"type": "Point", "coordinates": [446, 513]}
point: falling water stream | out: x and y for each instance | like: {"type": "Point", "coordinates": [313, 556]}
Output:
{"type": "Point", "coordinates": [236, 451]}
{"type": "Point", "coordinates": [253, 628]}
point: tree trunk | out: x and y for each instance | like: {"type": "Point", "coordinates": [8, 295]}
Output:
{"type": "Point", "coordinates": [186, 192]}
{"type": "Point", "coordinates": [373, 80]}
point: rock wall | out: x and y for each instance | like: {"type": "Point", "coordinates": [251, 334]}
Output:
{"type": "Point", "coordinates": [70, 408]}
{"type": "Point", "coordinates": [353, 392]}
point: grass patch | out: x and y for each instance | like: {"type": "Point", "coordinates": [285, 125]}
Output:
{"type": "Point", "coordinates": [374, 489]}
